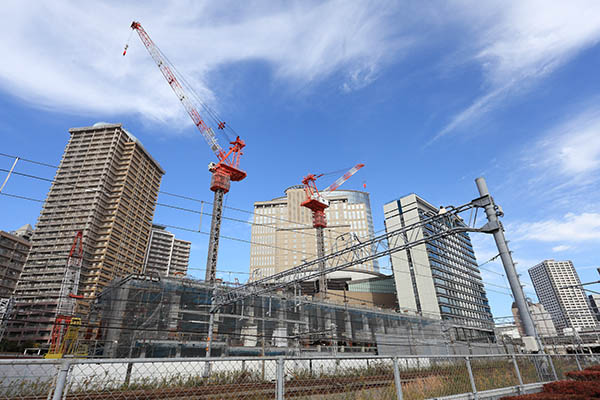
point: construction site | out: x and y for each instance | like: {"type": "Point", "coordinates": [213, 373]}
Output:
{"type": "Point", "coordinates": [140, 316]}
{"type": "Point", "coordinates": [331, 308]}
{"type": "Point", "coordinates": [102, 304]}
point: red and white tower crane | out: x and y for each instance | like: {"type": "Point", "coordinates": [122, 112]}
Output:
{"type": "Point", "coordinates": [227, 168]}
{"type": "Point", "coordinates": [317, 203]}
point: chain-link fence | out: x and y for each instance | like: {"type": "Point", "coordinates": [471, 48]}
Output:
{"type": "Point", "coordinates": [315, 377]}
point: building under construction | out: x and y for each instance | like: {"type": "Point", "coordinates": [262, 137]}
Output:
{"type": "Point", "coordinates": [141, 316]}
{"type": "Point", "coordinates": [106, 187]}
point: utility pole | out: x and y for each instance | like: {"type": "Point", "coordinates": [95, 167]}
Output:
{"type": "Point", "coordinates": [492, 211]}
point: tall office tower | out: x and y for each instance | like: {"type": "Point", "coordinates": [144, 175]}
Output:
{"type": "Point", "coordinates": [166, 255]}
{"type": "Point", "coordinates": [558, 287]}
{"type": "Point", "coordinates": [106, 186]}
{"type": "Point", "coordinates": [439, 279]}
{"type": "Point", "coordinates": [541, 319]}
{"type": "Point", "coordinates": [283, 235]}
{"type": "Point", "coordinates": [13, 253]}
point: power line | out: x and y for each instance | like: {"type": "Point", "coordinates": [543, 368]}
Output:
{"type": "Point", "coordinates": [202, 213]}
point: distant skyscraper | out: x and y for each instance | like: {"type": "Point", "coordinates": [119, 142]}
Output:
{"type": "Point", "coordinates": [283, 234]}
{"type": "Point", "coordinates": [14, 249]}
{"type": "Point", "coordinates": [166, 255]}
{"type": "Point", "coordinates": [439, 279]}
{"type": "Point", "coordinates": [106, 186]}
{"type": "Point", "coordinates": [558, 287]}
{"type": "Point", "coordinates": [595, 303]}
{"type": "Point", "coordinates": [541, 319]}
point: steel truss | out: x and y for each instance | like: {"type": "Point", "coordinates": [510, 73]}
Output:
{"type": "Point", "coordinates": [391, 242]}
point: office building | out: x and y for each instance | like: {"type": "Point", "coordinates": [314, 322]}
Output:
{"type": "Point", "coordinates": [106, 186]}
{"type": "Point", "coordinates": [595, 304]}
{"type": "Point", "coordinates": [166, 255]}
{"type": "Point", "coordinates": [283, 235]}
{"type": "Point", "coordinates": [542, 320]}
{"type": "Point", "coordinates": [14, 249]}
{"type": "Point", "coordinates": [559, 289]}
{"type": "Point", "coordinates": [438, 279]}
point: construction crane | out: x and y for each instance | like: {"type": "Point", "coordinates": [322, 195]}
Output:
{"type": "Point", "coordinates": [318, 204]}
{"type": "Point", "coordinates": [227, 168]}
{"type": "Point", "coordinates": [66, 326]}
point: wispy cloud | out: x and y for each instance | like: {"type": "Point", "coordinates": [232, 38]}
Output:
{"type": "Point", "coordinates": [571, 228]}
{"type": "Point", "coordinates": [520, 42]}
{"type": "Point", "coordinates": [560, 248]}
{"type": "Point", "coordinates": [67, 55]}
{"type": "Point", "coordinates": [573, 148]}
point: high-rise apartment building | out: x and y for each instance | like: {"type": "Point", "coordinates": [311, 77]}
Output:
{"type": "Point", "coordinates": [283, 234]}
{"type": "Point", "coordinates": [106, 186]}
{"type": "Point", "coordinates": [438, 279]}
{"type": "Point", "coordinates": [166, 255]}
{"type": "Point", "coordinates": [14, 248]}
{"type": "Point", "coordinates": [559, 289]}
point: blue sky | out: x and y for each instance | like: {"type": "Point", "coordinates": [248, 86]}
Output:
{"type": "Point", "coordinates": [428, 96]}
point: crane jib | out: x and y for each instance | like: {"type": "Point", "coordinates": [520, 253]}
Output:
{"type": "Point", "coordinates": [170, 74]}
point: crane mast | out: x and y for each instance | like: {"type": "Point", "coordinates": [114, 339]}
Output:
{"type": "Point", "coordinates": [225, 170]}
{"type": "Point", "coordinates": [66, 326]}
{"type": "Point", "coordinates": [318, 204]}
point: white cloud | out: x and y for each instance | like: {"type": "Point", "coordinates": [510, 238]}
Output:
{"type": "Point", "coordinates": [573, 148]}
{"type": "Point", "coordinates": [572, 228]}
{"type": "Point", "coordinates": [67, 55]}
{"type": "Point", "coordinates": [560, 248]}
{"type": "Point", "coordinates": [519, 42]}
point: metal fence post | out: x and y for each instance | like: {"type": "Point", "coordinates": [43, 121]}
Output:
{"type": "Point", "coordinates": [128, 374]}
{"type": "Point", "coordinates": [473, 387]}
{"type": "Point", "coordinates": [61, 380]}
{"type": "Point", "coordinates": [552, 365]}
{"type": "Point", "coordinates": [518, 373]}
{"type": "Point", "coordinates": [397, 379]}
{"type": "Point", "coordinates": [577, 360]}
{"type": "Point", "coordinates": [280, 377]}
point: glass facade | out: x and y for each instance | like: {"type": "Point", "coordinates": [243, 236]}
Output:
{"type": "Point", "coordinates": [444, 275]}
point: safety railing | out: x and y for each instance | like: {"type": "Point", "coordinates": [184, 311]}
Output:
{"type": "Point", "coordinates": [361, 377]}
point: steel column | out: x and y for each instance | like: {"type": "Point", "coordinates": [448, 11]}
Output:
{"type": "Point", "coordinates": [509, 266]}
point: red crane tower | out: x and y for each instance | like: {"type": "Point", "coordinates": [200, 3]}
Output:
{"type": "Point", "coordinates": [66, 325]}
{"type": "Point", "coordinates": [317, 204]}
{"type": "Point", "coordinates": [224, 171]}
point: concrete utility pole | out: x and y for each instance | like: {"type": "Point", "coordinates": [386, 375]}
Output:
{"type": "Point", "coordinates": [492, 212]}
